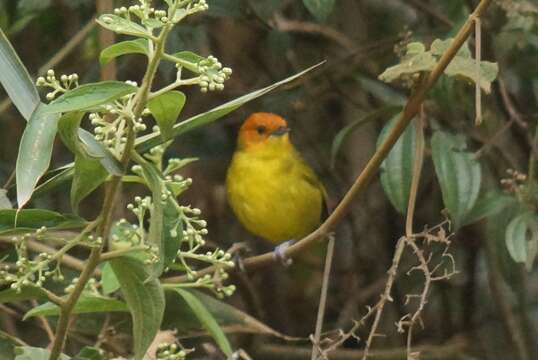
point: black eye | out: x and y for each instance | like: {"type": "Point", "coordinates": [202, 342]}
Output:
{"type": "Point", "coordinates": [261, 130]}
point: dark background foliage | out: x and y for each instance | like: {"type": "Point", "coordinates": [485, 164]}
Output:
{"type": "Point", "coordinates": [470, 316]}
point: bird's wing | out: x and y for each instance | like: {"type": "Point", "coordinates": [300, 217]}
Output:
{"type": "Point", "coordinates": [310, 177]}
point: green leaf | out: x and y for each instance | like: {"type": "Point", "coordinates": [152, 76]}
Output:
{"type": "Point", "coordinates": [165, 109]}
{"type": "Point", "coordinates": [97, 150]}
{"type": "Point", "coordinates": [187, 59]}
{"type": "Point", "coordinates": [25, 293]}
{"type": "Point", "coordinates": [207, 320]}
{"type": "Point", "coordinates": [138, 46]}
{"type": "Point", "coordinates": [33, 219]}
{"type": "Point", "coordinates": [145, 300]}
{"type": "Point", "coordinates": [488, 205]}
{"type": "Point", "coordinates": [165, 225]}
{"type": "Point", "coordinates": [64, 174]}
{"type": "Point", "coordinates": [416, 60]}
{"type": "Point", "coordinates": [464, 66]}
{"type": "Point", "coordinates": [7, 347]}
{"type": "Point", "coordinates": [89, 175]}
{"type": "Point", "coordinates": [109, 281]}
{"type": "Point", "coordinates": [176, 165]}
{"type": "Point", "coordinates": [521, 237]}
{"type": "Point", "coordinates": [33, 353]}
{"type": "Point", "coordinates": [396, 171]}
{"type": "Point", "coordinates": [343, 134]}
{"type": "Point", "coordinates": [90, 96]}
{"type": "Point", "coordinates": [35, 152]}
{"type": "Point", "coordinates": [180, 316]}
{"type": "Point", "coordinates": [16, 80]}
{"type": "Point", "coordinates": [121, 25]}
{"type": "Point", "coordinates": [147, 142]}
{"type": "Point", "coordinates": [5, 203]}
{"type": "Point", "coordinates": [87, 304]}
{"type": "Point", "coordinates": [68, 126]}
{"type": "Point", "coordinates": [90, 353]}
{"type": "Point", "coordinates": [459, 175]}
{"type": "Point", "coordinates": [321, 9]}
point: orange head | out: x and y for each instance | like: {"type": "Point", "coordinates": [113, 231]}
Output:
{"type": "Point", "coordinates": [260, 127]}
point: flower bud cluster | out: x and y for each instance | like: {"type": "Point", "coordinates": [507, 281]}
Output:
{"type": "Point", "coordinates": [515, 182]}
{"type": "Point", "coordinates": [66, 83]}
{"type": "Point", "coordinates": [167, 351]}
{"type": "Point", "coordinates": [212, 74]}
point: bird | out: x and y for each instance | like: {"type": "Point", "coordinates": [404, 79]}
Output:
{"type": "Point", "coordinates": [273, 192]}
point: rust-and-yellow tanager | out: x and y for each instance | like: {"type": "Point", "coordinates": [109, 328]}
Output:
{"type": "Point", "coordinates": [272, 191]}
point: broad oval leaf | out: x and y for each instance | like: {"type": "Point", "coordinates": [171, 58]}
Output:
{"type": "Point", "coordinates": [186, 59]}
{"type": "Point", "coordinates": [149, 141]}
{"type": "Point", "coordinates": [68, 126]}
{"type": "Point", "coordinates": [321, 9]}
{"type": "Point", "coordinates": [16, 80]}
{"type": "Point", "coordinates": [207, 320]}
{"type": "Point", "coordinates": [33, 219]}
{"type": "Point", "coordinates": [121, 25]}
{"type": "Point", "coordinates": [396, 171]}
{"type": "Point", "coordinates": [165, 109]}
{"type": "Point", "coordinates": [35, 152]}
{"type": "Point", "coordinates": [145, 300]}
{"type": "Point", "coordinates": [138, 46]}
{"type": "Point", "coordinates": [488, 205]}
{"type": "Point", "coordinates": [519, 233]}
{"type": "Point", "coordinates": [34, 353]}
{"type": "Point", "coordinates": [109, 281]}
{"type": "Point", "coordinates": [459, 175]}
{"type": "Point", "coordinates": [87, 304]}
{"type": "Point", "coordinates": [90, 96]}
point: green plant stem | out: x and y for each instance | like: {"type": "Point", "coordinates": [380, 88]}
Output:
{"type": "Point", "coordinates": [410, 111]}
{"type": "Point", "coordinates": [118, 253]}
{"type": "Point", "coordinates": [110, 198]}
{"type": "Point", "coordinates": [533, 171]}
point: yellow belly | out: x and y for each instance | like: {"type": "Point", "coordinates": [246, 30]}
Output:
{"type": "Point", "coordinates": [274, 197]}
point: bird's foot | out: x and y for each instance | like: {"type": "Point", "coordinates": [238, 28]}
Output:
{"type": "Point", "coordinates": [237, 250]}
{"type": "Point", "coordinates": [280, 253]}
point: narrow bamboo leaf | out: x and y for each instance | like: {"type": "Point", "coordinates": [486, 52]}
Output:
{"type": "Point", "coordinates": [147, 142]}
{"type": "Point", "coordinates": [519, 233]}
{"type": "Point", "coordinates": [144, 143]}
{"type": "Point", "coordinates": [63, 175]}
{"type": "Point", "coordinates": [459, 175]}
{"type": "Point", "coordinates": [32, 219]}
{"type": "Point", "coordinates": [87, 304]}
{"type": "Point", "coordinates": [90, 353]}
{"type": "Point", "coordinates": [397, 168]}
{"type": "Point", "coordinates": [179, 315]}
{"type": "Point", "coordinates": [145, 300]}
{"type": "Point", "coordinates": [34, 353]}
{"type": "Point", "coordinates": [35, 152]}
{"type": "Point", "coordinates": [5, 203]}
{"type": "Point", "coordinates": [109, 281]}
{"type": "Point", "coordinates": [321, 9]}
{"type": "Point", "coordinates": [343, 134]}
{"type": "Point", "coordinates": [207, 320]}
{"type": "Point", "coordinates": [89, 175]}
{"type": "Point", "coordinates": [166, 109]}
{"type": "Point", "coordinates": [138, 46]}
{"type": "Point", "coordinates": [16, 80]}
{"type": "Point", "coordinates": [25, 293]}
{"type": "Point", "coordinates": [121, 25]}
{"type": "Point", "coordinates": [90, 96]}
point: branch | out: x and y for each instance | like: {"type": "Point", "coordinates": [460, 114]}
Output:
{"type": "Point", "coordinates": [411, 109]}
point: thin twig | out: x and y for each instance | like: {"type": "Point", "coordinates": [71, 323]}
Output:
{"type": "Point", "coordinates": [323, 297]}
{"type": "Point", "coordinates": [417, 169]}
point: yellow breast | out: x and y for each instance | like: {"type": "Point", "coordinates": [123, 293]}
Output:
{"type": "Point", "coordinates": [273, 192]}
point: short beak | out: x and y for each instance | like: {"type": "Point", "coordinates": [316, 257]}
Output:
{"type": "Point", "coordinates": [281, 131]}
